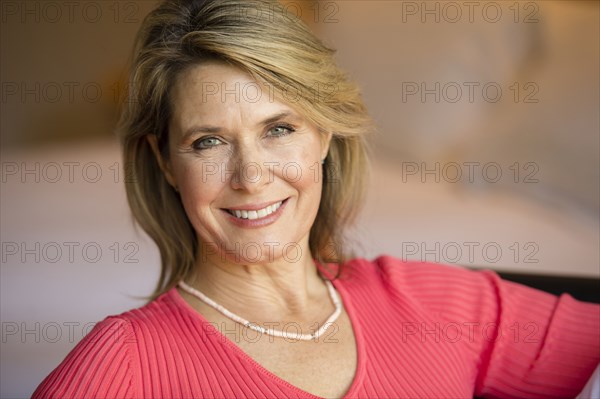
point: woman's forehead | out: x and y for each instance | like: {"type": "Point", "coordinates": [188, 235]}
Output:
{"type": "Point", "coordinates": [217, 93]}
{"type": "Point", "coordinates": [216, 96]}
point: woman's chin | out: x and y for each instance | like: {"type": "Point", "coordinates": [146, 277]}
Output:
{"type": "Point", "coordinates": [257, 250]}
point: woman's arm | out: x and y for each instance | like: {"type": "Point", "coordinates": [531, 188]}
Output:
{"type": "Point", "coordinates": [526, 342]}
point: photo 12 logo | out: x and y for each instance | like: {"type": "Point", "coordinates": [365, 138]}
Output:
{"type": "Point", "coordinates": [470, 172]}
{"type": "Point", "coordinates": [253, 92]}
{"type": "Point", "coordinates": [71, 172]}
{"type": "Point", "coordinates": [69, 12]}
{"type": "Point", "coordinates": [471, 252]}
{"type": "Point", "coordinates": [469, 92]}
{"type": "Point", "coordinates": [69, 252]}
{"type": "Point", "coordinates": [64, 332]}
{"type": "Point", "coordinates": [452, 12]}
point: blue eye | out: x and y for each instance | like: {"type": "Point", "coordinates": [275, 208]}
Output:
{"type": "Point", "coordinates": [280, 130]}
{"type": "Point", "coordinates": [206, 142]}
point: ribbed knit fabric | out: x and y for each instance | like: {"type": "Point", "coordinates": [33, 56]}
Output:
{"type": "Point", "coordinates": [423, 331]}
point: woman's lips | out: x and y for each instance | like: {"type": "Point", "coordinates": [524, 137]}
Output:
{"type": "Point", "coordinates": [256, 217]}
{"type": "Point", "coordinates": [253, 214]}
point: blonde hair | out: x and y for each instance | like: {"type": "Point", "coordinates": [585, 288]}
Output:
{"type": "Point", "coordinates": [276, 49]}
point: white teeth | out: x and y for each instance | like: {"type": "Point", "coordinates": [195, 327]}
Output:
{"type": "Point", "coordinates": [261, 213]}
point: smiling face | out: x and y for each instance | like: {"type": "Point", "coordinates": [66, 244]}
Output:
{"type": "Point", "coordinates": [247, 167]}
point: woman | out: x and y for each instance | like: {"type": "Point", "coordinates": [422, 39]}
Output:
{"type": "Point", "coordinates": [245, 144]}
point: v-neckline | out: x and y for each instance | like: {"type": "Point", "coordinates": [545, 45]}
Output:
{"type": "Point", "coordinates": [215, 334]}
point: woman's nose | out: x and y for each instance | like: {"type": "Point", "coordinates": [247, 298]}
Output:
{"type": "Point", "coordinates": [250, 172]}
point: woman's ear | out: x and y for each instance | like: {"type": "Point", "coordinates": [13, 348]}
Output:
{"type": "Point", "coordinates": [165, 165]}
{"type": "Point", "coordinates": [325, 142]}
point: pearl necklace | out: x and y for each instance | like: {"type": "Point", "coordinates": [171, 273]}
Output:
{"type": "Point", "coordinates": [275, 333]}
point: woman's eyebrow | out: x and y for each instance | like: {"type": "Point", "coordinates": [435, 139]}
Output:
{"type": "Point", "coordinates": [276, 117]}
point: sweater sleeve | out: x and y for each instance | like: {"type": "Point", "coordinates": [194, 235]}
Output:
{"type": "Point", "coordinates": [543, 345]}
{"type": "Point", "coordinates": [527, 343]}
{"type": "Point", "coordinates": [100, 366]}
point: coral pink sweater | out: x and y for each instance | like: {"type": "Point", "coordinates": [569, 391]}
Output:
{"type": "Point", "coordinates": [422, 330]}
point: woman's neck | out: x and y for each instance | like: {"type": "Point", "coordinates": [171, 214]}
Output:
{"type": "Point", "coordinates": [281, 289]}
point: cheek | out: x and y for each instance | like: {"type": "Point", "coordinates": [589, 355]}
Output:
{"type": "Point", "coordinates": [302, 163]}
{"type": "Point", "coordinates": [198, 185]}
{"type": "Point", "coordinates": [306, 175]}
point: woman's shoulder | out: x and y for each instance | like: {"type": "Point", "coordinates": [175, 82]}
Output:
{"type": "Point", "coordinates": [411, 273]}
{"type": "Point", "coordinates": [428, 286]}
{"type": "Point", "coordinates": [157, 314]}
{"type": "Point", "coordinates": [106, 362]}
{"type": "Point", "coordinates": [100, 365]}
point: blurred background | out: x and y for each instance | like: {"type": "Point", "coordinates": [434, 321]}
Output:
{"type": "Point", "coordinates": [486, 155]}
